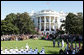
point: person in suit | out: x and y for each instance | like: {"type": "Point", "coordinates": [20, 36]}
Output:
{"type": "Point", "coordinates": [54, 43]}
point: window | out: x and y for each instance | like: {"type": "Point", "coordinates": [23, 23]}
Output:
{"type": "Point", "coordinates": [61, 19]}
{"type": "Point", "coordinates": [42, 19]}
{"type": "Point", "coordinates": [55, 20]}
{"type": "Point", "coordinates": [52, 27]}
{"type": "Point", "coordinates": [42, 26]}
{"type": "Point", "coordinates": [52, 19]}
{"type": "Point", "coordinates": [42, 29]}
{"type": "Point", "coordinates": [38, 22]}
{"type": "Point", "coordinates": [47, 18]}
{"type": "Point", "coordinates": [47, 27]}
{"type": "Point", "coordinates": [38, 19]}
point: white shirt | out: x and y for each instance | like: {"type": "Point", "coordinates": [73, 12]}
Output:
{"type": "Point", "coordinates": [16, 52]}
{"type": "Point", "coordinates": [32, 52]}
{"type": "Point", "coordinates": [26, 49]}
{"type": "Point", "coordinates": [67, 53]}
{"type": "Point", "coordinates": [62, 42]}
{"type": "Point", "coordinates": [7, 52]}
{"type": "Point", "coordinates": [73, 52]}
{"type": "Point", "coordinates": [42, 52]}
{"type": "Point", "coordinates": [22, 49]}
{"type": "Point", "coordinates": [19, 52]}
{"type": "Point", "coordinates": [35, 52]}
{"type": "Point", "coordinates": [29, 52]}
{"type": "Point", "coordinates": [26, 52]}
{"type": "Point", "coordinates": [27, 46]}
{"type": "Point", "coordinates": [13, 52]}
{"type": "Point", "coordinates": [10, 52]}
{"type": "Point", "coordinates": [2, 52]}
{"type": "Point", "coordinates": [16, 49]}
{"type": "Point", "coordinates": [42, 49]}
{"type": "Point", "coordinates": [30, 49]}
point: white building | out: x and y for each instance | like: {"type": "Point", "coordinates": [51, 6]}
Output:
{"type": "Point", "coordinates": [48, 21]}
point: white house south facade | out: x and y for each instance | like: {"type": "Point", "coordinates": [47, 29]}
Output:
{"type": "Point", "coordinates": [48, 21]}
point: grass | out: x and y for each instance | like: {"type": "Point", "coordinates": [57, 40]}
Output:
{"type": "Point", "coordinates": [47, 45]}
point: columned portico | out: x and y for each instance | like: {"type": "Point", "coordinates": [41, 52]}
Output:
{"type": "Point", "coordinates": [45, 24]}
{"type": "Point", "coordinates": [48, 21]}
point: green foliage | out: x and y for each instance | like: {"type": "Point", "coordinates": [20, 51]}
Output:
{"type": "Point", "coordinates": [60, 32]}
{"type": "Point", "coordinates": [43, 37]}
{"type": "Point", "coordinates": [8, 28]}
{"type": "Point", "coordinates": [17, 24]}
{"type": "Point", "coordinates": [74, 23]}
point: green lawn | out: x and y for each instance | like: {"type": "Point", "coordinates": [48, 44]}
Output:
{"type": "Point", "coordinates": [48, 45]}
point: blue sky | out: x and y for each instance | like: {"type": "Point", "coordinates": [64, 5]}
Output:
{"type": "Point", "coordinates": [27, 6]}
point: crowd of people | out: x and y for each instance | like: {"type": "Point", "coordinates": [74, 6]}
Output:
{"type": "Point", "coordinates": [68, 39]}
{"type": "Point", "coordinates": [17, 37]}
{"type": "Point", "coordinates": [27, 50]}
{"type": "Point", "coordinates": [71, 49]}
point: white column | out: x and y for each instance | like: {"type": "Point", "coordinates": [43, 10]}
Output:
{"type": "Point", "coordinates": [44, 23]}
{"type": "Point", "coordinates": [50, 23]}
{"type": "Point", "coordinates": [40, 23]}
{"type": "Point", "coordinates": [54, 24]}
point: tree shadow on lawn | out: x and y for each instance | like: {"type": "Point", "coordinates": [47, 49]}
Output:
{"type": "Point", "coordinates": [53, 52]}
{"type": "Point", "coordinates": [53, 47]}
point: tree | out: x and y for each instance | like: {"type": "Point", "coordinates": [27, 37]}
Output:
{"type": "Point", "coordinates": [74, 23]}
{"type": "Point", "coordinates": [17, 24]}
{"type": "Point", "coordinates": [24, 23]}
{"type": "Point", "coordinates": [8, 28]}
